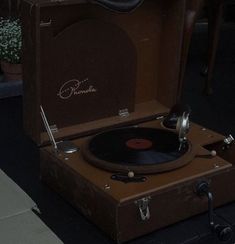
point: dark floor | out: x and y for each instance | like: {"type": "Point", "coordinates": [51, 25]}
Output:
{"type": "Point", "coordinates": [20, 158]}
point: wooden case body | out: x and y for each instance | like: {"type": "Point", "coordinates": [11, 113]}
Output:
{"type": "Point", "coordinates": [113, 205]}
{"type": "Point", "coordinates": [93, 69]}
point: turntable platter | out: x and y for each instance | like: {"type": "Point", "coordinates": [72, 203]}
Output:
{"type": "Point", "coordinates": [138, 149]}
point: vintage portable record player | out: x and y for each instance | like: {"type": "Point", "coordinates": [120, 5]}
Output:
{"type": "Point", "coordinates": [103, 82]}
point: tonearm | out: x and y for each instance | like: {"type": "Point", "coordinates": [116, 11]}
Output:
{"type": "Point", "coordinates": [62, 146]}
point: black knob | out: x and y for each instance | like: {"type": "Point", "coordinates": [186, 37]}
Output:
{"type": "Point", "coordinates": [202, 188]}
{"type": "Point", "coordinates": [224, 232]}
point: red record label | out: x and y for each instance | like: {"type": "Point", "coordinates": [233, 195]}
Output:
{"type": "Point", "coordinates": [139, 144]}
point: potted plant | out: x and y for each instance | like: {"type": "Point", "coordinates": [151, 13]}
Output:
{"type": "Point", "coordinates": [10, 48]}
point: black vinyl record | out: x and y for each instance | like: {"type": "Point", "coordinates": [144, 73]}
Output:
{"type": "Point", "coordinates": [137, 146]}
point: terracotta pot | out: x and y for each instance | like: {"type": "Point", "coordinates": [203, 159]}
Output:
{"type": "Point", "coordinates": [12, 72]}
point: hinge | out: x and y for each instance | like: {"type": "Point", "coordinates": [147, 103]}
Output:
{"type": "Point", "coordinates": [160, 117]}
{"type": "Point", "coordinates": [45, 23]}
{"type": "Point", "coordinates": [54, 128]}
{"type": "Point", "coordinates": [124, 113]}
{"type": "Point", "coordinates": [143, 205]}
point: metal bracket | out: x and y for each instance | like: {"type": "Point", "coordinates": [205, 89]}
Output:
{"type": "Point", "coordinates": [182, 127]}
{"type": "Point", "coordinates": [45, 24]}
{"type": "Point", "coordinates": [54, 129]}
{"type": "Point", "coordinates": [127, 179]}
{"type": "Point", "coordinates": [143, 205]}
{"type": "Point", "coordinates": [124, 113]}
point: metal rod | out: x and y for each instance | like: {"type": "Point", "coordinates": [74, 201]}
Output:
{"type": "Point", "coordinates": [48, 129]}
{"type": "Point", "coordinates": [210, 209]}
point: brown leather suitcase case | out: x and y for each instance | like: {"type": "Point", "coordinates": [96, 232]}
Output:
{"type": "Point", "coordinates": [128, 210]}
{"type": "Point", "coordinates": [94, 70]}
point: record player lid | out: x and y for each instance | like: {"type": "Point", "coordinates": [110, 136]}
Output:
{"type": "Point", "coordinates": [111, 64]}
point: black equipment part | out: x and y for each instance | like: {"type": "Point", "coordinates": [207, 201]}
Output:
{"type": "Point", "coordinates": [120, 5]}
{"type": "Point", "coordinates": [223, 232]}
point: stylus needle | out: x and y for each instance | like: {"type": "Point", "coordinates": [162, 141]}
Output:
{"type": "Point", "coordinates": [181, 144]}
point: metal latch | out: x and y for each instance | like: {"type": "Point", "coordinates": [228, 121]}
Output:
{"type": "Point", "coordinates": [124, 113]}
{"type": "Point", "coordinates": [143, 205]}
{"type": "Point", "coordinates": [229, 140]}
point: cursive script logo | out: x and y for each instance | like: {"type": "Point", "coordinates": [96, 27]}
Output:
{"type": "Point", "coordinates": [75, 87]}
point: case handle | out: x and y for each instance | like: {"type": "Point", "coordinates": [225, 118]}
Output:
{"type": "Point", "coordinates": [223, 232]}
